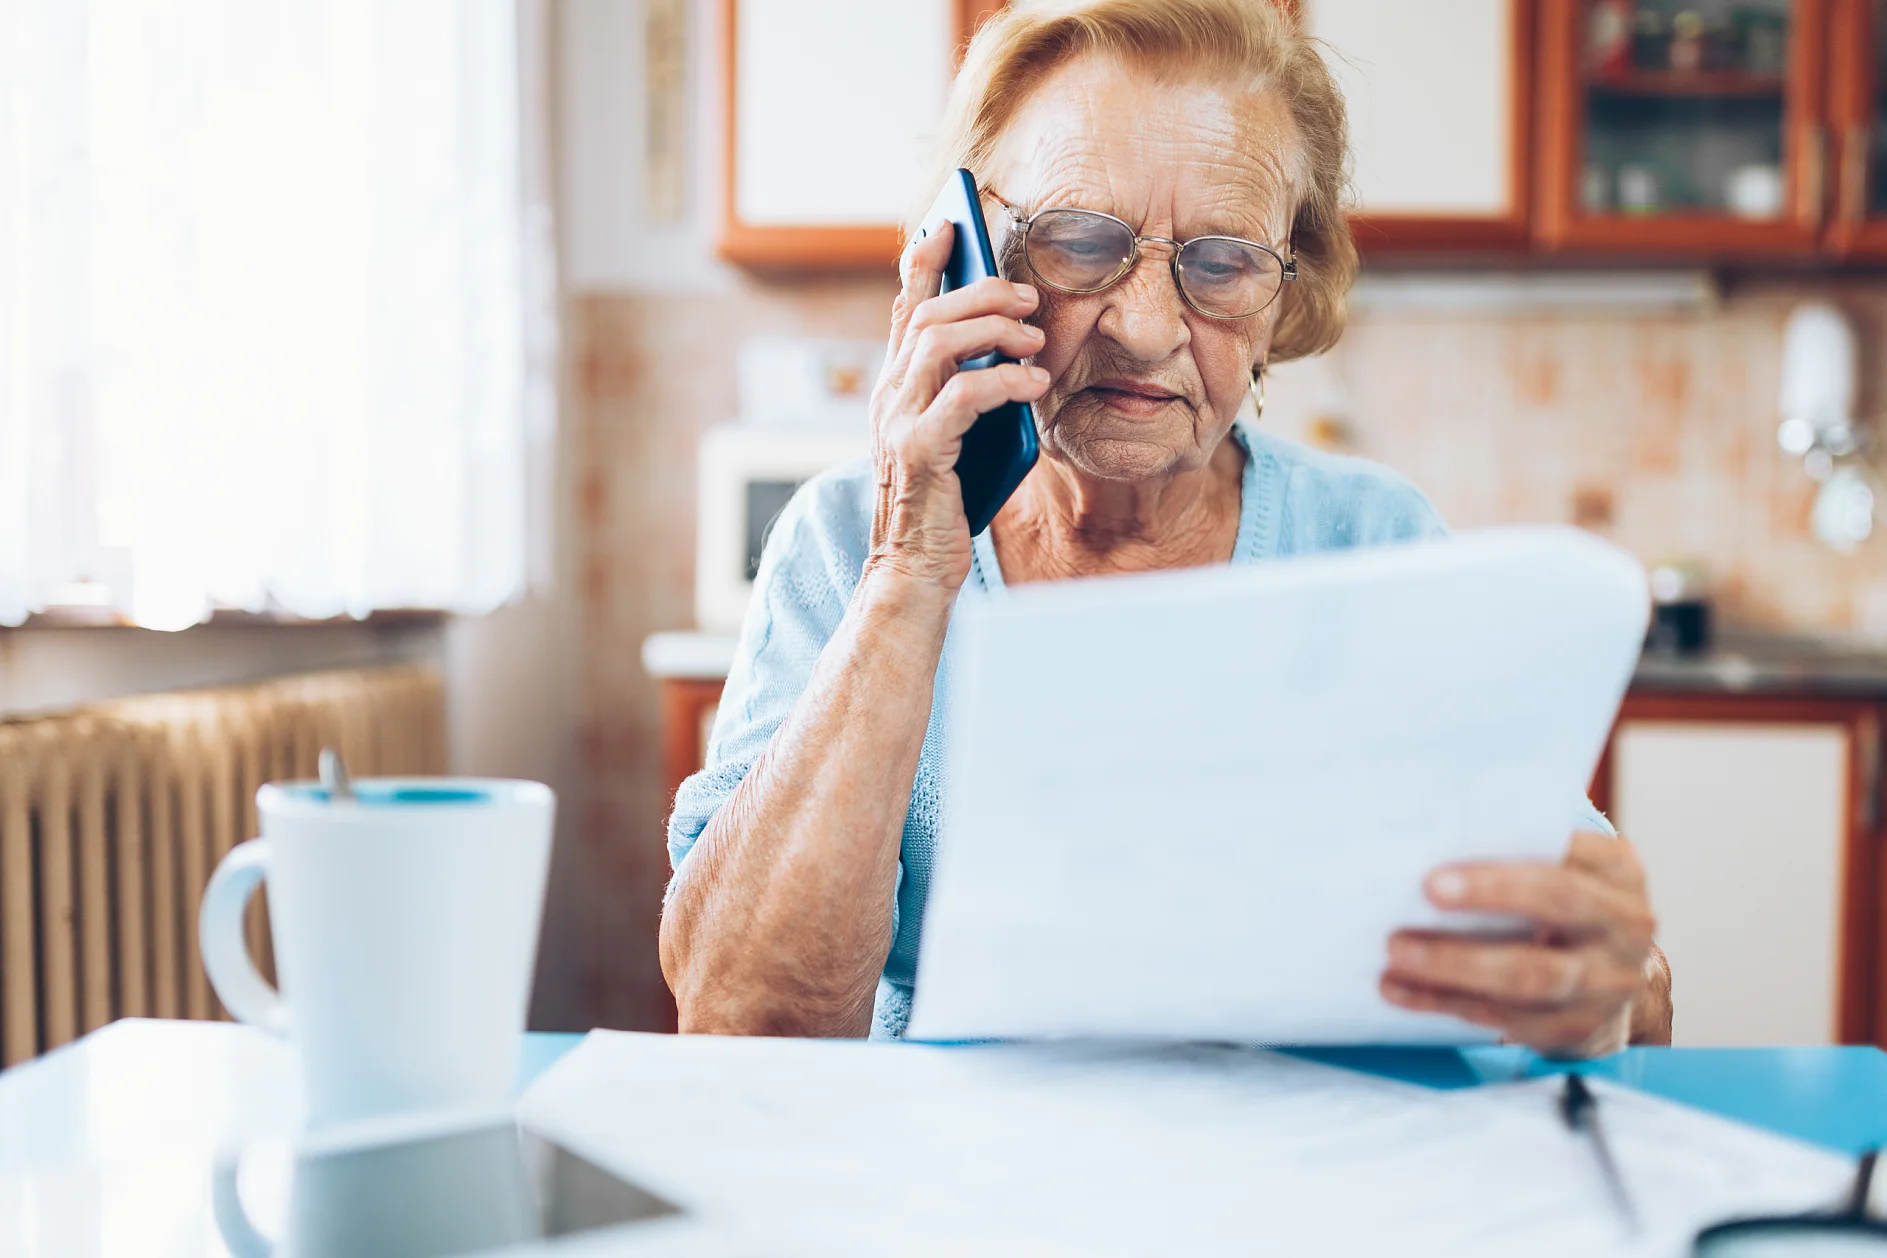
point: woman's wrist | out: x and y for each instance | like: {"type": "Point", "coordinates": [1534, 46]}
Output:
{"type": "Point", "coordinates": [900, 620]}
{"type": "Point", "coordinates": [887, 588]}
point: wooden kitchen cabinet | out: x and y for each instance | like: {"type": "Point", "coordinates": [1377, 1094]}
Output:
{"type": "Point", "coordinates": [1711, 130]}
{"type": "Point", "coordinates": [1440, 100]}
{"type": "Point", "coordinates": [814, 181]}
{"type": "Point", "coordinates": [1684, 127]}
{"type": "Point", "coordinates": [828, 104]}
{"type": "Point", "coordinates": [689, 705]}
{"type": "Point", "coordinates": [1756, 819]}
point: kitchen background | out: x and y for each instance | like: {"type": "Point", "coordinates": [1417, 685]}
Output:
{"type": "Point", "coordinates": [1587, 224]}
{"type": "Point", "coordinates": [1646, 412]}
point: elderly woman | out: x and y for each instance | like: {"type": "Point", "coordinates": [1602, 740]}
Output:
{"type": "Point", "coordinates": [1170, 173]}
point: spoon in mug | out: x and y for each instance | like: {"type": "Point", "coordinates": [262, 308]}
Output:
{"type": "Point", "coordinates": [334, 776]}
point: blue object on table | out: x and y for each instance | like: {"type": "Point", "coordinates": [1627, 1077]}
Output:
{"type": "Point", "coordinates": [542, 1050]}
{"type": "Point", "coordinates": [1833, 1097]}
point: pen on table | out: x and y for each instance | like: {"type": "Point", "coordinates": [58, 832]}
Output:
{"type": "Point", "coordinates": [1580, 1108]}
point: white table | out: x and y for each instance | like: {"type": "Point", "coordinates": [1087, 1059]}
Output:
{"type": "Point", "coordinates": [107, 1146]}
{"type": "Point", "coordinates": [142, 1088]}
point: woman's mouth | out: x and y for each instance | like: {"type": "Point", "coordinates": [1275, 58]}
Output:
{"type": "Point", "coordinates": [1134, 397]}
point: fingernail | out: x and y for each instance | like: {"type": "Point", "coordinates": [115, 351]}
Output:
{"type": "Point", "coordinates": [1038, 375]}
{"type": "Point", "coordinates": [1407, 952]}
{"type": "Point", "coordinates": [1447, 886]}
{"type": "Point", "coordinates": [1027, 292]}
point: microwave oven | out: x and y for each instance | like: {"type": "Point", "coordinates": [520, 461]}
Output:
{"type": "Point", "coordinates": [747, 474]}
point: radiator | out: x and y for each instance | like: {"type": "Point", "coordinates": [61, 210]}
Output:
{"type": "Point", "coordinates": [113, 816]}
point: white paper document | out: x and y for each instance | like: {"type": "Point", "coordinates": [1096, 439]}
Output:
{"type": "Point", "coordinates": [1195, 804]}
{"type": "Point", "coordinates": [833, 1147]}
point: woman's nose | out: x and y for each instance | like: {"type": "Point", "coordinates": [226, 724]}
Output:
{"type": "Point", "coordinates": [1145, 314]}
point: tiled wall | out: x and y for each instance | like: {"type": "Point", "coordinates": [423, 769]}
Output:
{"type": "Point", "coordinates": [1654, 429]}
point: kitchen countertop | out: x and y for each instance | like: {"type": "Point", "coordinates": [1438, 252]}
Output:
{"type": "Point", "coordinates": [1744, 664]}
{"type": "Point", "coordinates": [1737, 664]}
{"type": "Point", "coordinates": [691, 656]}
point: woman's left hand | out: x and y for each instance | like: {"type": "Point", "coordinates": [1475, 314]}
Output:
{"type": "Point", "coordinates": [1567, 992]}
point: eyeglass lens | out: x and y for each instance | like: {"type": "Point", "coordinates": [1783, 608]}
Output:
{"type": "Point", "coordinates": [1083, 252]}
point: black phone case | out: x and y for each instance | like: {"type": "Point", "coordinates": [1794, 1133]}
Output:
{"type": "Point", "coordinates": [1000, 447]}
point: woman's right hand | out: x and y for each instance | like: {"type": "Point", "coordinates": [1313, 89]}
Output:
{"type": "Point", "coordinates": [923, 404]}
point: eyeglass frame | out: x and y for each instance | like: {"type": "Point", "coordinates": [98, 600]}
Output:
{"type": "Point", "coordinates": [1287, 268]}
{"type": "Point", "coordinates": [1850, 1220]}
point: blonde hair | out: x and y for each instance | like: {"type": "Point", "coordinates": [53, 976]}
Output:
{"type": "Point", "coordinates": [1246, 42]}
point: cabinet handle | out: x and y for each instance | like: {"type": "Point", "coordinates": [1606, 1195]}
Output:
{"type": "Point", "coordinates": [1811, 191]}
{"type": "Point", "coordinates": [1854, 172]}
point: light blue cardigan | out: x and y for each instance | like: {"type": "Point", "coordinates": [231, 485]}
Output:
{"type": "Point", "coordinates": [1295, 500]}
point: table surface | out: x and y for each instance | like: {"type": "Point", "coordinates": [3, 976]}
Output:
{"type": "Point", "coordinates": [1835, 1097]}
{"type": "Point", "coordinates": [141, 1087]}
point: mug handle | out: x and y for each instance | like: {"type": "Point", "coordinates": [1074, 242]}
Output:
{"type": "Point", "coordinates": [239, 985]}
{"type": "Point", "coordinates": [240, 1236]}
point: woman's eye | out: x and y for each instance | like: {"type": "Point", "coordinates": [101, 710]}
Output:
{"type": "Point", "coordinates": [1218, 268]}
{"type": "Point", "coordinates": [1221, 268]}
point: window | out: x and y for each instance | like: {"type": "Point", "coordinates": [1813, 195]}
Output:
{"type": "Point", "coordinates": [276, 306]}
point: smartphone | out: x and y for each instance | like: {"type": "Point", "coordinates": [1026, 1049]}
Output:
{"type": "Point", "coordinates": [1000, 447]}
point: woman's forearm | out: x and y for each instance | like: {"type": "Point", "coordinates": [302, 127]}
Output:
{"type": "Point", "coordinates": [780, 920]}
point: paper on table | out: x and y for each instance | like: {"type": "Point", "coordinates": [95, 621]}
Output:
{"type": "Point", "coordinates": [1196, 804]}
{"type": "Point", "coordinates": [1114, 1150]}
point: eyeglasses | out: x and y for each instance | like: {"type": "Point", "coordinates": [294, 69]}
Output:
{"type": "Point", "coordinates": [1850, 1229]}
{"type": "Point", "coordinates": [1085, 251]}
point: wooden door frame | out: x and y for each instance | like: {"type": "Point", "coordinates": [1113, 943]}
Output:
{"type": "Point", "coordinates": [1561, 227]}
{"type": "Point", "coordinates": [1852, 231]}
{"type": "Point", "coordinates": [1861, 979]}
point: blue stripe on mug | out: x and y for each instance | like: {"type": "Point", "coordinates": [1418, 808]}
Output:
{"type": "Point", "coordinates": [374, 794]}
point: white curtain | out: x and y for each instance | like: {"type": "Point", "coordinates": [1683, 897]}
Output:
{"type": "Point", "coordinates": [275, 306]}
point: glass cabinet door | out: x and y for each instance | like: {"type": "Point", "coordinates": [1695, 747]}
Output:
{"type": "Point", "coordinates": [1685, 125]}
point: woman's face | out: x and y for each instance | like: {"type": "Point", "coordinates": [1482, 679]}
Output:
{"type": "Point", "coordinates": [1145, 386]}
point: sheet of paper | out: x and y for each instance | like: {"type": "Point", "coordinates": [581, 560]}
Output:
{"type": "Point", "coordinates": [1196, 804]}
{"type": "Point", "coordinates": [1109, 1150]}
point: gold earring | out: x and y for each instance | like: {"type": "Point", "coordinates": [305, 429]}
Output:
{"type": "Point", "coordinates": [1258, 391]}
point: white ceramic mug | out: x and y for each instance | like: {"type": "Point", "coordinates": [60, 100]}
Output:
{"type": "Point", "coordinates": [405, 925]}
